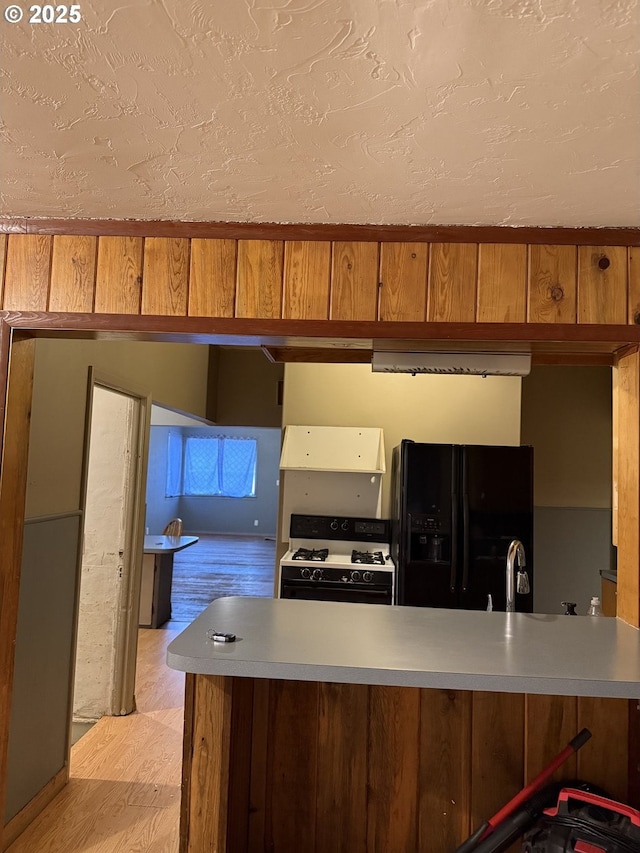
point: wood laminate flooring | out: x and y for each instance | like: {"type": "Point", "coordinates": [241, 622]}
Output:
{"type": "Point", "coordinates": [124, 792]}
{"type": "Point", "coordinates": [218, 566]}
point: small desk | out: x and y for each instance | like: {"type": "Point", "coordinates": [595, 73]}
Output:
{"type": "Point", "coordinates": [157, 575]}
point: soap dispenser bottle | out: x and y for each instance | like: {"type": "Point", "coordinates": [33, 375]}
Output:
{"type": "Point", "coordinates": [570, 608]}
{"type": "Point", "coordinates": [595, 608]}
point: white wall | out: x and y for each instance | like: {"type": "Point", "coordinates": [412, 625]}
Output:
{"type": "Point", "coordinates": [446, 409]}
{"type": "Point", "coordinates": [566, 415]}
{"type": "Point", "coordinates": [176, 374]}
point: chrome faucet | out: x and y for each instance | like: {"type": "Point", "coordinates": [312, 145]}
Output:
{"type": "Point", "coordinates": [516, 549]}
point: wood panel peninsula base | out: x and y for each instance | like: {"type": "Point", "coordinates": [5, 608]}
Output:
{"type": "Point", "coordinates": [343, 727]}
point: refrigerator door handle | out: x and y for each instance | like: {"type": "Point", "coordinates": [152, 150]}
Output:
{"type": "Point", "coordinates": [465, 542]}
{"type": "Point", "coordinates": [454, 542]}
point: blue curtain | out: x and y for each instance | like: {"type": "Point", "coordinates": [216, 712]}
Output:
{"type": "Point", "coordinates": [174, 465]}
{"type": "Point", "coordinates": [219, 466]}
{"type": "Point", "coordinates": [238, 468]}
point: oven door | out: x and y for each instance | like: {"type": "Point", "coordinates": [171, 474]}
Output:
{"type": "Point", "coordinates": [323, 591]}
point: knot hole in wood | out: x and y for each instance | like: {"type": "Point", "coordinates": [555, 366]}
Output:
{"type": "Point", "coordinates": [557, 293]}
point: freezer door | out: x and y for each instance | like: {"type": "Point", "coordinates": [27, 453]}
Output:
{"type": "Point", "coordinates": [427, 528]}
{"type": "Point", "coordinates": [496, 507]}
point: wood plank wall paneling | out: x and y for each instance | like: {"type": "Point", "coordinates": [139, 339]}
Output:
{"type": "Point", "coordinates": [165, 279]}
{"type": "Point", "coordinates": [633, 764]}
{"type": "Point", "coordinates": [212, 279]}
{"type": "Point", "coordinates": [394, 756]}
{"type": "Point", "coordinates": [604, 759]}
{"type": "Point", "coordinates": [445, 755]}
{"type": "Point", "coordinates": [13, 487]}
{"type": "Point", "coordinates": [627, 406]}
{"type": "Point", "coordinates": [3, 259]}
{"type": "Point", "coordinates": [602, 284]}
{"type": "Point", "coordinates": [453, 282]}
{"type": "Point", "coordinates": [27, 273]}
{"type": "Point", "coordinates": [316, 280]}
{"type": "Point", "coordinates": [615, 455]}
{"type": "Point", "coordinates": [73, 274]}
{"type": "Point", "coordinates": [549, 721]}
{"type": "Point", "coordinates": [292, 766]}
{"type": "Point", "coordinates": [119, 275]}
{"type": "Point", "coordinates": [552, 284]}
{"type": "Point", "coordinates": [240, 771]}
{"type": "Point", "coordinates": [502, 281]}
{"type": "Point", "coordinates": [259, 766]}
{"type": "Point", "coordinates": [259, 279]}
{"type": "Point", "coordinates": [342, 769]}
{"type": "Point", "coordinates": [187, 759]}
{"type": "Point", "coordinates": [307, 272]}
{"type": "Point", "coordinates": [497, 752]}
{"type": "Point", "coordinates": [354, 281]}
{"type": "Point", "coordinates": [634, 285]}
{"type": "Point", "coordinates": [210, 764]}
{"type": "Point", "coordinates": [403, 281]}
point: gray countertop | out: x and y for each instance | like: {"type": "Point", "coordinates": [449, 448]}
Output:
{"type": "Point", "coordinates": [413, 647]}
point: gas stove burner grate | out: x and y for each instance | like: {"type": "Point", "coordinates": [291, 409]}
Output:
{"type": "Point", "coordinates": [368, 558]}
{"type": "Point", "coordinates": [311, 555]}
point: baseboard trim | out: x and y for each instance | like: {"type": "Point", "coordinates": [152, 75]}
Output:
{"type": "Point", "coordinates": [244, 535]}
{"type": "Point", "coordinates": [29, 813]}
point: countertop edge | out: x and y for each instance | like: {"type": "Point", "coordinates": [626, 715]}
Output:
{"type": "Point", "coordinates": [407, 678]}
{"type": "Point", "coordinates": [413, 647]}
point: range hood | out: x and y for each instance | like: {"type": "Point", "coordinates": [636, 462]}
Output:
{"type": "Point", "coordinates": [464, 363]}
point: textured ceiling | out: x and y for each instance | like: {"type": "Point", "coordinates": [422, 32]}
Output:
{"type": "Point", "coordinates": [475, 112]}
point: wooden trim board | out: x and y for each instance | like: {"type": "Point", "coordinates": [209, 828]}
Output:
{"type": "Point", "coordinates": [320, 231]}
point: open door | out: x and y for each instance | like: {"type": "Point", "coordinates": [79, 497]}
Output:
{"type": "Point", "coordinates": [116, 445]}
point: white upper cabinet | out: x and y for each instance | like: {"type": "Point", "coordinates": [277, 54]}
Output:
{"type": "Point", "coordinates": [328, 448]}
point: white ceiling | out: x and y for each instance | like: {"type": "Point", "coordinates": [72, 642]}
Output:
{"type": "Point", "coordinates": [471, 112]}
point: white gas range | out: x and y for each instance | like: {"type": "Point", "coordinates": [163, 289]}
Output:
{"type": "Point", "coordinates": [338, 558]}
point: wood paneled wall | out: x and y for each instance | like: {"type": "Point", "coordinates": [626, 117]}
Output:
{"type": "Point", "coordinates": [321, 280]}
{"type": "Point", "coordinates": [343, 768]}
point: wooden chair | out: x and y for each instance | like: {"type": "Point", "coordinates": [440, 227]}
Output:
{"type": "Point", "coordinates": [173, 528]}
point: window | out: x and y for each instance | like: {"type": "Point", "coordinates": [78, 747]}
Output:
{"type": "Point", "coordinates": [211, 465]}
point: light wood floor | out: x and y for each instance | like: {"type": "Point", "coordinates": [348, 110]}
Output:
{"type": "Point", "coordinates": [124, 792]}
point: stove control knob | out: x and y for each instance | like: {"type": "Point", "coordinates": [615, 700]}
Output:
{"type": "Point", "coordinates": [305, 573]}
{"type": "Point", "coordinates": [334, 524]}
{"type": "Point", "coordinates": [345, 525]}
{"type": "Point", "coordinates": [367, 577]}
{"type": "Point", "coordinates": [355, 576]}
{"type": "Point", "coordinates": [317, 575]}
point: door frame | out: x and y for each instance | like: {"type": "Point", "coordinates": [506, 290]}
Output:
{"type": "Point", "coordinates": [556, 343]}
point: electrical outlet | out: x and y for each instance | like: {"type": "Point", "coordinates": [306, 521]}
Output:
{"type": "Point", "coordinates": [255, 522]}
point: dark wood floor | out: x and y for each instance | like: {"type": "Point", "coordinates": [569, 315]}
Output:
{"type": "Point", "coordinates": [218, 566]}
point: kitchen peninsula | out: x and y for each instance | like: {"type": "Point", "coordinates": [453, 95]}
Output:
{"type": "Point", "coordinates": [333, 726]}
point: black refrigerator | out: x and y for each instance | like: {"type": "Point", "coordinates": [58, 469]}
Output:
{"type": "Point", "coordinates": [455, 510]}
